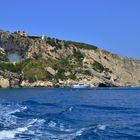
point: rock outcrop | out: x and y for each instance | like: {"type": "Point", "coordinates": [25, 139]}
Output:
{"type": "Point", "coordinates": [47, 61]}
{"type": "Point", "coordinates": [4, 83]}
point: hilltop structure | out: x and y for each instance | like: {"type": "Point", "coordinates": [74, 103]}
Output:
{"type": "Point", "coordinates": [21, 33]}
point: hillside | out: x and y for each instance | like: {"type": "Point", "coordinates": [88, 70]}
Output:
{"type": "Point", "coordinates": [48, 61]}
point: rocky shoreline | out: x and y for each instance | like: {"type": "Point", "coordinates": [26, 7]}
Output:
{"type": "Point", "coordinates": [4, 83]}
{"type": "Point", "coordinates": [50, 62]}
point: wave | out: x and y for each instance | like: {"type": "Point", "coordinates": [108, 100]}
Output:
{"type": "Point", "coordinates": [10, 134]}
{"type": "Point", "coordinates": [31, 102]}
{"type": "Point", "coordinates": [7, 117]}
{"type": "Point", "coordinates": [68, 119]}
{"type": "Point", "coordinates": [105, 107]}
{"type": "Point", "coordinates": [70, 109]}
{"type": "Point", "coordinates": [63, 132]}
{"type": "Point", "coordinates": [17, 110]}
{"type": "Point", "coordinates": [101, 127]}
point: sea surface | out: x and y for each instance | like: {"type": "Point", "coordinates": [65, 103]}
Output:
{"type": "Point", "coordinates": [70, 114]}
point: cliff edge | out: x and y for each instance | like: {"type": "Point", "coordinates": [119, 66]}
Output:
{"type": "Point", "coordinates": [46, 61]}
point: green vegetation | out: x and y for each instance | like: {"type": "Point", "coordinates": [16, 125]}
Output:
{"type": "Point", "coordinates": [78, 56]}
{"type": "Point", "coordinates": [3, 58]}
{"type": "Point", "coordinates": [34, 37]}
{"type": "Point", "coordinates": [34, 69]}
{"type": "Point", "coordinates": [98, 66]}
{"type": "Point", "coordinates": [51, 41]}
{"type": "Point", "coordinates": [72, 76]}
{"type": "Point", "coordinates": [55, 42]}
{"type": "Point", "coordinates": [80, 45]}
{"type": "Point", "coordinates": [5, 65]}
{"type": "Point", "coordinates": [62, 66]}
{"type": "Point", "coordinates": [9, 67]}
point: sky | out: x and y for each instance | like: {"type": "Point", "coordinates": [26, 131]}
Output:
{"type": "Point", "coordinates": [113, 25]}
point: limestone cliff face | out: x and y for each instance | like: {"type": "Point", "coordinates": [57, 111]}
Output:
{"type": "Point", "coordinates": [125, 70]}
{"type": "Point", "coordinates": [94, 65]}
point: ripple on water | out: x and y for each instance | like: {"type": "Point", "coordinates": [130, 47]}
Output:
{"type": "Point", "coordinates": [76, 119]}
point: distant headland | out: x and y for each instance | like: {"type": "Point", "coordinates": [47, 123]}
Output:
{"type": "Point", "coordinates": [41, 61]}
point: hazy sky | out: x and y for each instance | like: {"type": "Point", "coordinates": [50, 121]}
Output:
{"type": "Point", "coordinates": [113, 25]}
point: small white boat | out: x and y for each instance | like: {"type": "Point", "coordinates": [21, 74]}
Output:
{"type": "Point", "coordinates": [80, 85]}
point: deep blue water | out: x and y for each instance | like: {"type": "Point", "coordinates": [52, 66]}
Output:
{"type": "Point", "coordinates": [70, 114]}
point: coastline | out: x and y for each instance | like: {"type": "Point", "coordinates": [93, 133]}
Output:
{"type": "Point", "coordinates": [61, 84]}
{"type": "Point", "coordinates": [30, 61]}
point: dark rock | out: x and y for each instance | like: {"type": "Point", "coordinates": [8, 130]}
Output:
{"type": "Point", "coordinates": [106, 85]}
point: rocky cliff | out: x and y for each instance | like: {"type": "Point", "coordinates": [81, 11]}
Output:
{"type": "Point", "coordinates": [49, 61]}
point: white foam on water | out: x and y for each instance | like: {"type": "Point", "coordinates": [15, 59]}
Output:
{"type": "Point", "coordinates": [71, 108]}
{"type": "Point", "coordinates": [7, 117]}
{"type": "Point", "coordinates": [74, 133]}
{"type": "Point", "coordinates": [62, 127]}
{"type": "Point", "coordinates": [24, 108]}
{"type": "Point", "coordinates": [9, 120]}
{"type": "Point", "coordinates": [32, 122]}
{"type": "Point", "coordinates": [52, 124]}
{"type": "Point", "coordinates": [40, 121]}
{"type": "Point", "coordinates": [13, 111]}
{"type": "Point", "coordinates": [80, 132]}
{"type": "Point", "coordinates": [22, 129]}
{"type": "Point", "coordinates": [10, 134]}
{"type": "Point", "coordinates": [101, 127]}
{"type": "Point", "coordinates": [7, 134]}
{"type": "Point", "coordinates": [70, 135]}
{"type": "Point", "coordinates": [37, 122]}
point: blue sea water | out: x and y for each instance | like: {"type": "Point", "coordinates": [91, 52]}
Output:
{"type": "Point", "coordinates": [70, 114]}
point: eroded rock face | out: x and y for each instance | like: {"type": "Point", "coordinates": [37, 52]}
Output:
{"type": "Point", "coordinates": [11, 43]}
{"type": "Point", "coordinates": [123, 70]}
{"type": "Point", "coordinates": [4, 83]}
{"type": "Point", "coordinates": [116, 70]}
{"type": "Point", "coordinates": [37, 84]}
{"type": "Point", "coordinates": [50, 70]}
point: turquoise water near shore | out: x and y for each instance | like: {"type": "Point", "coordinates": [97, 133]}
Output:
{"type": "Point", "coordinates": [70, 114]}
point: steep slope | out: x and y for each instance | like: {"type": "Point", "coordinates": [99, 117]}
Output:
{"type": "Point", "coordinates": [48, 61]}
